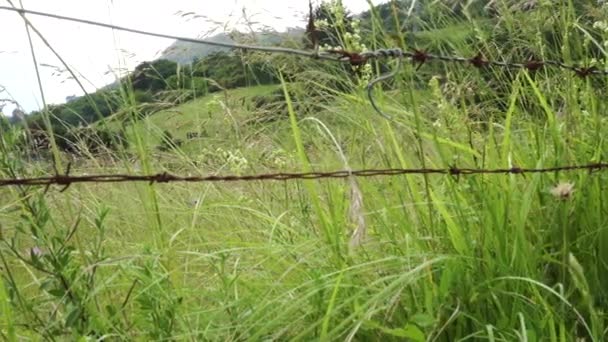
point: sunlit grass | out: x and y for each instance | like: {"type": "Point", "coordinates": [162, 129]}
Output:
{"type": "Point", "coordinates": [496, 257]}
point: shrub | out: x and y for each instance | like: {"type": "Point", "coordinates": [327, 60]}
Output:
{"type": "Point", "coordinates": [168, 142]}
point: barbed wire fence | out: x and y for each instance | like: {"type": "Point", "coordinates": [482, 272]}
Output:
{"type": "Point", "coordinates": [353, 58]}
{"type": "Point", "coordinates": [67, 180]}
{"type": "Point", "coordinates": [338, 55]}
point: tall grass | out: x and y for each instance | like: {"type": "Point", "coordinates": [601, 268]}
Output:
{"type": "Point", "coordinates": [485, 257]}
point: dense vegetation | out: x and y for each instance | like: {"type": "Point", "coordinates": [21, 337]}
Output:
{"type": "Point", "coordinates": [154, 85]}
{"type": "Point", "coordinates": [415, 257]}
{"type": "Point", "coordinates": [163, 83]}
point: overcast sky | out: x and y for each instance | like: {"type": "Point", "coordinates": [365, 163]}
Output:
{"type": "Point", "coordinates": [97, 54]}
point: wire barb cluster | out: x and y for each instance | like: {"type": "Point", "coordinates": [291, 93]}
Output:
{"type": "Point", "coordinates": [67, 180]}
{"type": "Point", "coordinates": [479, 61]}
{"type": "Point", "coordinates": [420, 57]}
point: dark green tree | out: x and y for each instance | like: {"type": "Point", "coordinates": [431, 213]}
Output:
{"type": "Point", "coordinates": [152, 76]}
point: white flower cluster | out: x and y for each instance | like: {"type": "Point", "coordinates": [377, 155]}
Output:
{"type": "Point", "coordinates": [602, 25]}
{"type": "Point", "coordinates": [321, 24]}
{"type": "Point", "coordinates": [350, 41]}
{"type": "Point", "coordinates": [278, 158]}
{"type": "Point", "coordinates": [234, 160]}
{"type": "Point", "coordinates": [350, 36]}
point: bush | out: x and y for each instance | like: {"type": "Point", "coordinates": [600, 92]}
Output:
{"type": "Point", "coordinates": [197, 85]}
{"type": "Point", "coordinates": [92, 140]}
{"type": "Point", "coordinates": [168, 142]}
{"type": "Point", "coordinates": [141, 96]}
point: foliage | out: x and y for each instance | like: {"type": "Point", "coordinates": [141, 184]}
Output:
{"type": "Point", "coordinates": [332, 22]}
{"type": "Point", "coordinates": [93, 141]}
{"type": "Point", "coordinates": [232, 70]}
{"type": "Point", "coordinates": [168, 142]}
{"type": "Point", "coordinates": [67, 284]}
{"type": "Point", "coordinates": [80, 112]}
{"type": "Point", "coordinates": [414, 257]}
{"type": "Point", "coordinates": [149, 80]}
{"type": "Point", "coordinates": [152, 76]}
{"type": "Point", "coordinates": [4, 123]}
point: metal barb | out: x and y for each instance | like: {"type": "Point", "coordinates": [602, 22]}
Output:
{"type": "Point", "coordinates": [370, 86]}
{"type": "Point", "coordinates": [65, 178]}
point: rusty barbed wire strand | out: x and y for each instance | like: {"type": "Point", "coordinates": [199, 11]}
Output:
{"type": "Point", "coordinates": [67, 180]}
{"type": "Point", "coordinates": [269, 49]}
{"type": "Point", "coordinates": [419, 57]}
{"type": "Point", "coordinates": [354, 58]}
{"type": "Point", "coordinates": [478, 61]}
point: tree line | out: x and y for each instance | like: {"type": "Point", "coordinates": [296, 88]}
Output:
{"type": "Point", "coordinates": [150, 83]}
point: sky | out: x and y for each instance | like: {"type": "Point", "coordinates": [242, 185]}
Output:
{"type": "Point", "coordinates": [100, 55]}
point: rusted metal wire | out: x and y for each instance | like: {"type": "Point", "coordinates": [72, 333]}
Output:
{"type": "Point", "coordinates": [478, 61]}
{"type": "Point", "coordinates": [357, 59]}
{"type": "Point", "coordinates": [418, 57]}
{"type": "Point", "coordinates": [67, 180]}
{"type": "Point", "coordinates": [354, 58]}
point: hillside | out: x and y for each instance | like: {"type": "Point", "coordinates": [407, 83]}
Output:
{"type": "Point", "coordinates": [185, 52]}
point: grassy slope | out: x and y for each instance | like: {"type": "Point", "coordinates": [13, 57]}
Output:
{"type": "Point", "coordinates": [207, 116]}
{"type": "Point", "coordinates": [483, 257]}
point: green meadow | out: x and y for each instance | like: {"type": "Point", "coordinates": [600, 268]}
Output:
{"type": "Point", "coordinates": [495, 257]}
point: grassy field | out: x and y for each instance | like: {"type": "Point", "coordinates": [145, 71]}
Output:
{"type": "Point", "coordinates": [413, 257]}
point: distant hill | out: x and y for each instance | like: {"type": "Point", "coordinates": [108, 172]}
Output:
{"type": "Point", "coordinates": [185, 53]}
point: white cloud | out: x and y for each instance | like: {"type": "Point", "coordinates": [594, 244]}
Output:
{"type": "Point", "coordinates": [93, 51]}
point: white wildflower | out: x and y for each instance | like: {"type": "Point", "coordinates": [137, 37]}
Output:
{"type": "Point", "coordinates": [563, 190]}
